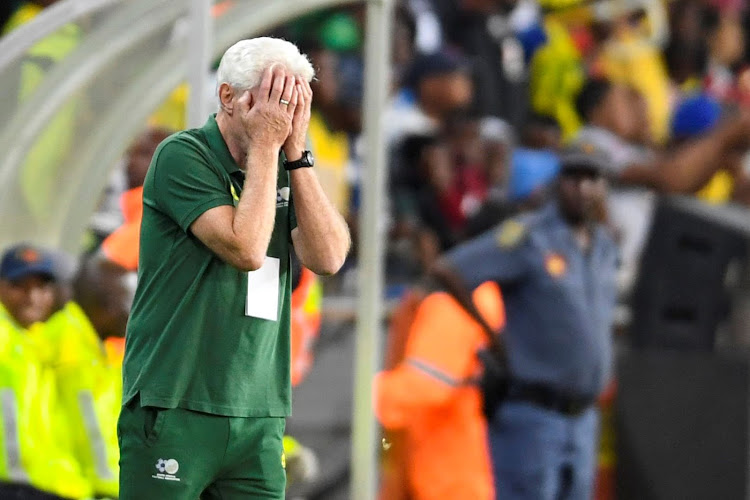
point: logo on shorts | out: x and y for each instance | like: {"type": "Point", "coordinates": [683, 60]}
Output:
{"type": "Point", "coordinates": [282, 197]}
{"type": "Point", "coordinates": [166, 469]}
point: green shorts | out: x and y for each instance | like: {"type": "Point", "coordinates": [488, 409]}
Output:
{"type": "Point", "coordinates": [177, 454]}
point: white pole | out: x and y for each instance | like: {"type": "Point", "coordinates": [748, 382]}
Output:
{"type": "Point", "coordinates": [364, 459]}
{"type": "Point", "coordinates": [201, 25]}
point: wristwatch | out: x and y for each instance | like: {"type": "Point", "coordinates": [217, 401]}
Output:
{"type": "Point", "coordinates": [306, 161]}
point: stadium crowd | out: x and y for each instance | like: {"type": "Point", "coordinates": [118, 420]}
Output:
{"type": "Point", "coordinates": [484, 96]}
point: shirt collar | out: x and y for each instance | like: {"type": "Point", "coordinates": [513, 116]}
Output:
{"type": "Point", "coordinates": [552, 211]}
{"type": "Point", "coordinates": [219, 146]}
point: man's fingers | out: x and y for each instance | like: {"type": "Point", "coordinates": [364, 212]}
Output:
{"type": "Point", "coordinates": [308, 90]}
{"type": "Point", "coordinates": [293, 100]}
{"type": "Point", "coordinates": [286, 95]}
{"type": "Point", "coordinates": [279, 80]}
{"type": "Point", "coordinates": [295, 95]}
{"type": "Point", "coordinates": [266, 83]}
{"type": "Point", "coordinates": [301, 100]}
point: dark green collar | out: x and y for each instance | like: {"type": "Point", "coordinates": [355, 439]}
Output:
{"type": "Point", "coordinates": [219, 146]}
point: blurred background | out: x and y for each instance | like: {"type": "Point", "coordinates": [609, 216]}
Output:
{"type": "Point", "coordinates": [481, 96]}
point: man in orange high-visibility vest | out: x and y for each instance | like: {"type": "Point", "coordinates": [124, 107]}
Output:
{"type": "Point", "coordinates": [432, 396]}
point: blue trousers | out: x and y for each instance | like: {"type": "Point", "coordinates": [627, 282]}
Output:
{"type": "Point", "coordinates": [543, 455]}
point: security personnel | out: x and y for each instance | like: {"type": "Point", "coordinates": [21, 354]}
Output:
{"type": "Point", "coordinates": [88, 374]}
{"type": "Point", "coordinates": [34, 464]}
{"type": "Point", "coordinates": [557, 272]}
{"type": "Point", "coordinates": [431, 397]}
{"type": "Point", "coordinates": [121, 247]}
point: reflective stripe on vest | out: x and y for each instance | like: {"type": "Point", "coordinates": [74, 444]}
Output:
{"type": "Point", "coordinates": [94, 432]}
{"type": "Point", "coordinates": [11, 436]}
{"type": "Point", "coordinates": [433, 372]}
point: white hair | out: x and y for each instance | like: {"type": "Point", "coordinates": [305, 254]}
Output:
{"type": "Point", "coordinates": [243, 64]}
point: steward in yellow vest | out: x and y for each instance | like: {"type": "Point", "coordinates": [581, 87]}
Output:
{"type": "Point", "coordinates": [34, 463]}
{"type": "Point", "coordinates": [87, 371]}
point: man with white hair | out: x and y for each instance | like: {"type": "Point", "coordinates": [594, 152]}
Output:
{"type": "Point", "coordinates": [207, 369]}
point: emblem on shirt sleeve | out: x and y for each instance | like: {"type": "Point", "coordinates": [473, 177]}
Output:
{"type": "Point", "coordinates": [555, 264]}
{"type": "Point", "coordinates": [510, 234]}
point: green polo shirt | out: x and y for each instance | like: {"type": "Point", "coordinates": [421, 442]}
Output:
{"type": "Point", "coordinates": [190, 342]}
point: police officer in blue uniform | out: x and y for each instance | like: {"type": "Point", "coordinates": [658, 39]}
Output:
{"type": "Point", "coordinates": [556, 268]}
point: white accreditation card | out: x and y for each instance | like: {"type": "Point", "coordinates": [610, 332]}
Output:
{"type": "Point", "coordinates": [263, 291]}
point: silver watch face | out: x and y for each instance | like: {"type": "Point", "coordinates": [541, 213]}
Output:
{"type": "Point", "coordinates": [309, 158]}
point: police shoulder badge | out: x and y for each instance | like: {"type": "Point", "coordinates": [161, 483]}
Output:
{"type": "Point", "coordinates": [555, 264]}
{"type": "Point", "coordinates": [510, 234]}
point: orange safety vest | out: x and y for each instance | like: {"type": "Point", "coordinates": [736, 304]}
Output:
{"type": "Point", "coordinates": [430, 397]}
{"type": "Point", "coordinates": [394, 484]}
{"type": "Point", "coordinates": [306, 302]}
{"type": "Point", "coordinates": [121, 247]}
{"type": "Point", "coordinates": [114, 347]}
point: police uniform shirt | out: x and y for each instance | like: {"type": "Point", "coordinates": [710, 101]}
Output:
{"type": "Point", "coordinates": [559, 299]}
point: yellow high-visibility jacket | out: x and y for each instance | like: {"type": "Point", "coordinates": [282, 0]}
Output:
{"type": "Point", "coordinates": [30, 451]}
{"type": "Point", "coordinates": [89, 388]}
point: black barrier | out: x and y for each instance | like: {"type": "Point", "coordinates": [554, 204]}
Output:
{"type": "Point", "coordinates": [682, 426]}
{"type": "Point", "coordinates": [682, 417]}
{"type": "Point", "coordinates": [681, 294]}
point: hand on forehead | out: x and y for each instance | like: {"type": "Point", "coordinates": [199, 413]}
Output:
{"type": "Point", "coordinates": [280, 70]}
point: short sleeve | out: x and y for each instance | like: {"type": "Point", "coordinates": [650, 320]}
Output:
{"type": "Point", "coordinates": [185, 184]}
{"type": "Point", "coordinates": [491, 257]}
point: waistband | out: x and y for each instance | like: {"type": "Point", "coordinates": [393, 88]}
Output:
{"type": "Point", "coordinates": [549, 398]}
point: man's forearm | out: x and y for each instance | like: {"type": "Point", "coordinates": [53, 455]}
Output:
{"type": "Point", "coordinates": [323, 236]}
{"type": "Point", "coordinates": [256, 211]}
{"type": "Point", "coordinates": [692, 165]}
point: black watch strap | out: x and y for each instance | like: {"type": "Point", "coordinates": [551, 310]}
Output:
{"type": "Point", "coordinates": [306, 161]}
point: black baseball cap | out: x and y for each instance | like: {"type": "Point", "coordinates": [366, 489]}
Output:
{"type": "Point", "coordinates": [23, 260]}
